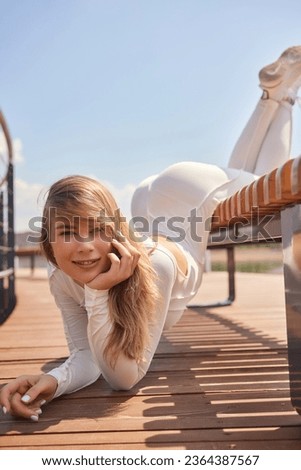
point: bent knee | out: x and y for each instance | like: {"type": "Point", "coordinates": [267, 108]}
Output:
{"type": "Point", "coordinates": [124, 376]}
{"type": "Point", "coordinates": [120, 385]}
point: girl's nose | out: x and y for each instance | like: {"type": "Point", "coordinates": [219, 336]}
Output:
{"type": "Point", "coordinates": [85, 246]}
{"type": "Point", "coordinates": [85, 243]}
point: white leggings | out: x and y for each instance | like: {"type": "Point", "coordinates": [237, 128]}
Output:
{"type": "Point", "coordinates": [186, 194]}
{"type": "Point", "coordinates": [265, 142]}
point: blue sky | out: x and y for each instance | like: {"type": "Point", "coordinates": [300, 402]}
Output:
{"type": "Point", "coordinates": [120, 89]}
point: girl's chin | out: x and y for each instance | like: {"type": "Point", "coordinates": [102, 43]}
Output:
{"type": "Point", "coordinates": [83, 278]}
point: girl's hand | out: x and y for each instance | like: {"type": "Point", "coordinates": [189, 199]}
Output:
{"type": "Point", "coordinates": [26, 394]}
{"type": "Point", "coordinates": [122, 266]}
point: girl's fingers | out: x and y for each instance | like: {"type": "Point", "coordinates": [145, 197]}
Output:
{"type": "Point", "coordinates": [24, 395]}
{"type": "Point", "coordinates": [124, 258]}
{"type": "Point", "coordinates": [128, 251]}
{"type": "Point", "coordinates": [18, 385]}
{"type": "Point", "coordinates": [114, 260]}
{"type": "Point", "coordinates": [129, 256]}
{"type": "Point", "coordinates": [122, 248]}
{"type": "Point", "coordinates": [18, 408]}
{"type": "Point", "coordinates": [125, 248]}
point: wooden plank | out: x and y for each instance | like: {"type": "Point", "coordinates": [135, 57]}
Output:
{"type": "Point", "coordinates": [122, 423]}
{"type": "Point", "coordinates": [12, 369]}
{"type": "Point", "coordinates": [209, 436]}
{"type": "Point", "coordinates": [151, 413]}
{"type": "Point", "coordinates": [30, 354]}
{"type": "Point", "coordinates": [183, 446]}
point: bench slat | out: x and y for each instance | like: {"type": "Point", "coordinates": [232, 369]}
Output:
{"type": "Point", "coordinates": [269, 194]}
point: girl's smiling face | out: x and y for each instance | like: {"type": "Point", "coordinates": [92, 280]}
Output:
{"type": "Point", "coordinates": [80, 247]}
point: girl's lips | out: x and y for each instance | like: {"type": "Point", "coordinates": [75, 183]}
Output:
{"type": "Point", "coordinates": [88, 262]}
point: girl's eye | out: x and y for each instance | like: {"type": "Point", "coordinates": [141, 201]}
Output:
{"type": "Point", "coordinates": [96, 230]}
{"type": "Point", "coordinates": [66, 232]}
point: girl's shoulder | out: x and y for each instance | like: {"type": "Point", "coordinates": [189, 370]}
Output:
{"type": "Point", "coordinates": [170, 253]}
{"type": "Point", "coordinates": [163, 262]}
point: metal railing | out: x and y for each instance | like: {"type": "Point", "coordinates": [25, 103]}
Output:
{"type": "Point", "coordinates": [7, 235]}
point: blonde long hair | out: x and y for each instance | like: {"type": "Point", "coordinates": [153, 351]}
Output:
{"type": "Point", "coordinates": [132, 302]}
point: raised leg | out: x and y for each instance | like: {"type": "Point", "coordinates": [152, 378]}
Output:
{"type": "Point", "coordinates": [245, 153]}
{"type": "Point", "coordinates": [276, 147]}
{"type": "Point", "coordinates": [265, 142]}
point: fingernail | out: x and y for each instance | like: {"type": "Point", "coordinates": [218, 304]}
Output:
{"type": "Point", "coordinates": [4, 410]}
{"type": "Point", "coordinates": [42, 402]}
{"type": "Point", "coordinates": [34, 418]}
{"type": "Point", "coordinates": [25, 398]}
{"type": "Point", "coordinates": [39, 411]}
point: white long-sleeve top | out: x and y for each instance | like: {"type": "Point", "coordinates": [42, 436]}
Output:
{"type": "Point", "coordinates": [87, 323]}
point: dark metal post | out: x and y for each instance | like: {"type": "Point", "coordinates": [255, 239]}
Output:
{"type": "Point", "coordinates": [7, 235]}
{"type": "Point", "coordinates": [291, 242]}
{"type": "Point", "coordinates": [11, 237]}
{"type": "Point", "coordinates": [231, 273]}
{"type": "Point", "coordinates": [2, 296]}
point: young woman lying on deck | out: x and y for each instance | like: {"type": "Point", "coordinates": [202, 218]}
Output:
{"type": "Point", "coordinates": [118, 289]}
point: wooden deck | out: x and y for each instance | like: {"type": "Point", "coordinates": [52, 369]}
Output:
{"type": "Point", "coordinates": [218, 381]}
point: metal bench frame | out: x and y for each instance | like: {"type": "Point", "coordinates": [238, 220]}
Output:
{"type": "Point", "coordinates": [7, 235]}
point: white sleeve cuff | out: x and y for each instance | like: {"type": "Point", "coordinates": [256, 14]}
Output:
{"type": "Point", "coordinates": [94, 297]}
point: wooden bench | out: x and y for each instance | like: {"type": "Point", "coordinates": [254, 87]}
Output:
{"type": "Point", "coordinates": [268, 210]}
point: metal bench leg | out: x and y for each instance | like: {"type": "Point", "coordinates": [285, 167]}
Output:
{"type": "Point", "coordinates": [291, 242]}
{"type": "Point", "coordinates": [231, 283]}
{"type": "Point", "coordinates": [32, 264]}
